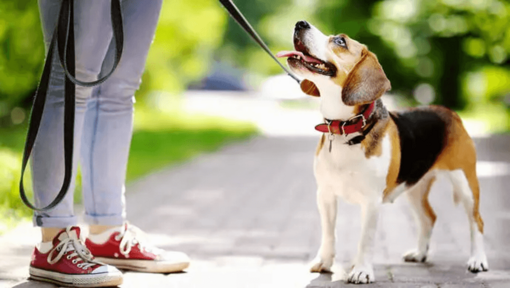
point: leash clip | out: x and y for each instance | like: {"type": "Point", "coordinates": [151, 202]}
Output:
{"type": "Point", "coordinates": [331, 136]}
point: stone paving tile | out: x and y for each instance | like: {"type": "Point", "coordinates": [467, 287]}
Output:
{"type": "Point", "coordinates": [247, 217]}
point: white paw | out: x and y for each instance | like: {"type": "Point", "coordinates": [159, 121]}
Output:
{"type": "Point", "coordinates": [478, 263]}
{"type": "Point", "coordinates": [320, 264]}
{"type": "Point", "coordinates": [415, 256]}
{"type": "Point", "coordinates": [361, 274]}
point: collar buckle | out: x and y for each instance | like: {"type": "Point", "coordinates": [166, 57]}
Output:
{"type": "Point", "coordinates": [352, 118]}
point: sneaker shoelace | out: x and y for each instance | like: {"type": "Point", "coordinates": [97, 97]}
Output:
{"type": "Point", "coordinates": [131, 236]}
{"type": "Point", "coordinates": [84, 260]}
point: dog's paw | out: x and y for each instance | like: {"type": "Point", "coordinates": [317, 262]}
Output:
{"type": "Point", "coordinates": [415, 256]}
{"type": "Point", "coordinates": [319, 265]}
{"type": "Point", "coordinates": [478, 263]}
{"type": "Point", "coordinates": [361, 274]}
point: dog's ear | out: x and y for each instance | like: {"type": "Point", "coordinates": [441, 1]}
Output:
{"type": "Point", "coordinates": [366, 82]}
{"type": "Point", "coordinates": [308, 87]}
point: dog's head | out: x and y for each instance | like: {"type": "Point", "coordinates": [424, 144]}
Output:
{"type": "Point", "coordinates": [326, 61]}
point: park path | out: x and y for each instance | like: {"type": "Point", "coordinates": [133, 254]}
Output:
{"type": "Point", "coordinates": [247, 217]}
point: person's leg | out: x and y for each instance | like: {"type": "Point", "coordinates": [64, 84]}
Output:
{"type": "Point", "coordinates": [62, 257]}
{"type": "Point", "coordinates": [109, 119]}
{"type": "Point", "coordinates": [108, 129]}
{"type": "Point", "coordinates": [47, 163]}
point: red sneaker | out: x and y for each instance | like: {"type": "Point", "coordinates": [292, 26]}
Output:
{"type": "Point", "coordinates": [70, 263]}
{"type": "Point", "coordinates": [126, 248]}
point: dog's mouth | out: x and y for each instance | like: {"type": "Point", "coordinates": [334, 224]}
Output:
{"type": "Point", "coordinates": [302, 58]}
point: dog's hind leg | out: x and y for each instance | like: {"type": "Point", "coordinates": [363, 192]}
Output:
{"type": "Point", "coordinates": [425, 218]}
{"type": "Point", "coordinates": [327, 204]}
{"type": "Point", "coordinates": [465, 185]}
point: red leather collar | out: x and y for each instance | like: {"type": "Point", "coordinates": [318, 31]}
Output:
{"type": "Point", "coordinates": [342, 127]}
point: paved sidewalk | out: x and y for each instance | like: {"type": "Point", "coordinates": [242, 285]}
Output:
{"type": "Point", "coordinates": [247, 217]}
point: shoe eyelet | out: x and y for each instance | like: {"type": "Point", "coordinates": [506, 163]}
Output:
{"type": "Point", "coordinates": [74, 261]}
{"type": "Point", "coordinates": [69, 257]}
{"type": "Point", "coordinates": [79, 265]}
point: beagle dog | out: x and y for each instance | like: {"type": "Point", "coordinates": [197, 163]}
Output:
{"type": "Point", "coordinates": [370, 156]}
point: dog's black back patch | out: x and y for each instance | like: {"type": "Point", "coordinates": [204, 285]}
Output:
{"type": "Point", "coordinates": [422, 138]}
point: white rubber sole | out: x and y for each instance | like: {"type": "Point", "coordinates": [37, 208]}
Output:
{"type": "Point", "coordinates": [76, 280]}
{"type": "Point", "coordinates": [150, 266]}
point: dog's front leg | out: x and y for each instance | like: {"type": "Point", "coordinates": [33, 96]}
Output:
{"type": "Point", "coordinates": [326, 202]}
{"type": "Point", "coordinates": [362, 271]}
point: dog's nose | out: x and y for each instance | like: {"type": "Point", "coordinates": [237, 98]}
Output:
{"type": "Point", "coordinates": [302, 25]}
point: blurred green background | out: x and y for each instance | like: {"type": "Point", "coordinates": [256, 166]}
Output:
{"type": "Point", "coordinates": [449, 52]}
{"type": "Point", "coordinates": [455, 50]}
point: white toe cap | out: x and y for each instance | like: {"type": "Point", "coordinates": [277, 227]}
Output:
{"type": "Point", "coordinates": [174, 257]}
{"type": "Point", "coordinates": [111, 270]}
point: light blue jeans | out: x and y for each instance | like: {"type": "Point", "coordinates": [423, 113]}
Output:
{"type": "Point", "coordinates": [104, 114]}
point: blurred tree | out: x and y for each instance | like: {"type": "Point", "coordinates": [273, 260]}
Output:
{"type": "Point", "coordinates": [274, 21]}
{"type": "Point", "coordinates": [446, 48]}
{"type": "Point", "coordinates": [442, 40]}
{"type": "Point", "coordinates": [21, 53]}
{"type": "Point", "coordinates": [435, 43]}
{"type": "Point", "coordinates": [187, 35]}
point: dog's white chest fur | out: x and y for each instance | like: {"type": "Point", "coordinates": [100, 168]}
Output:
{"type": "Point", "coordinates": [347, 172]}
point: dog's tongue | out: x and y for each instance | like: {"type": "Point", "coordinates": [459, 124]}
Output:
{"type": "Point", "coordinates": [282, 54]}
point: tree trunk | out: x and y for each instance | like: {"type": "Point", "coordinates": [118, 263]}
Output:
{"type": "Point", "coordinates": [449, 90]}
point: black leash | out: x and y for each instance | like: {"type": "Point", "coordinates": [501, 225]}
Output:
{"type": "Point", "coordinates": [236, 14]}
{"type": "Point", "coordinates": [63, 37]}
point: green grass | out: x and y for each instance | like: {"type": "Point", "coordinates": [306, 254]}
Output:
{"type": "Point", "coordinates": [491, 117]}
{"type": "Point", "coordinates": [172, 137]}
{"type": "Point", "coordinates": [160, 139]}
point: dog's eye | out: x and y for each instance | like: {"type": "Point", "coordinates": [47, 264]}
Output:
{"type": "Point", "coordinates": [340, 41]}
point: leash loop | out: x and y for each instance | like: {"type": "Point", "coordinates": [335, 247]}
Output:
{"type": "Point", "coordinates": [63, 38]}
